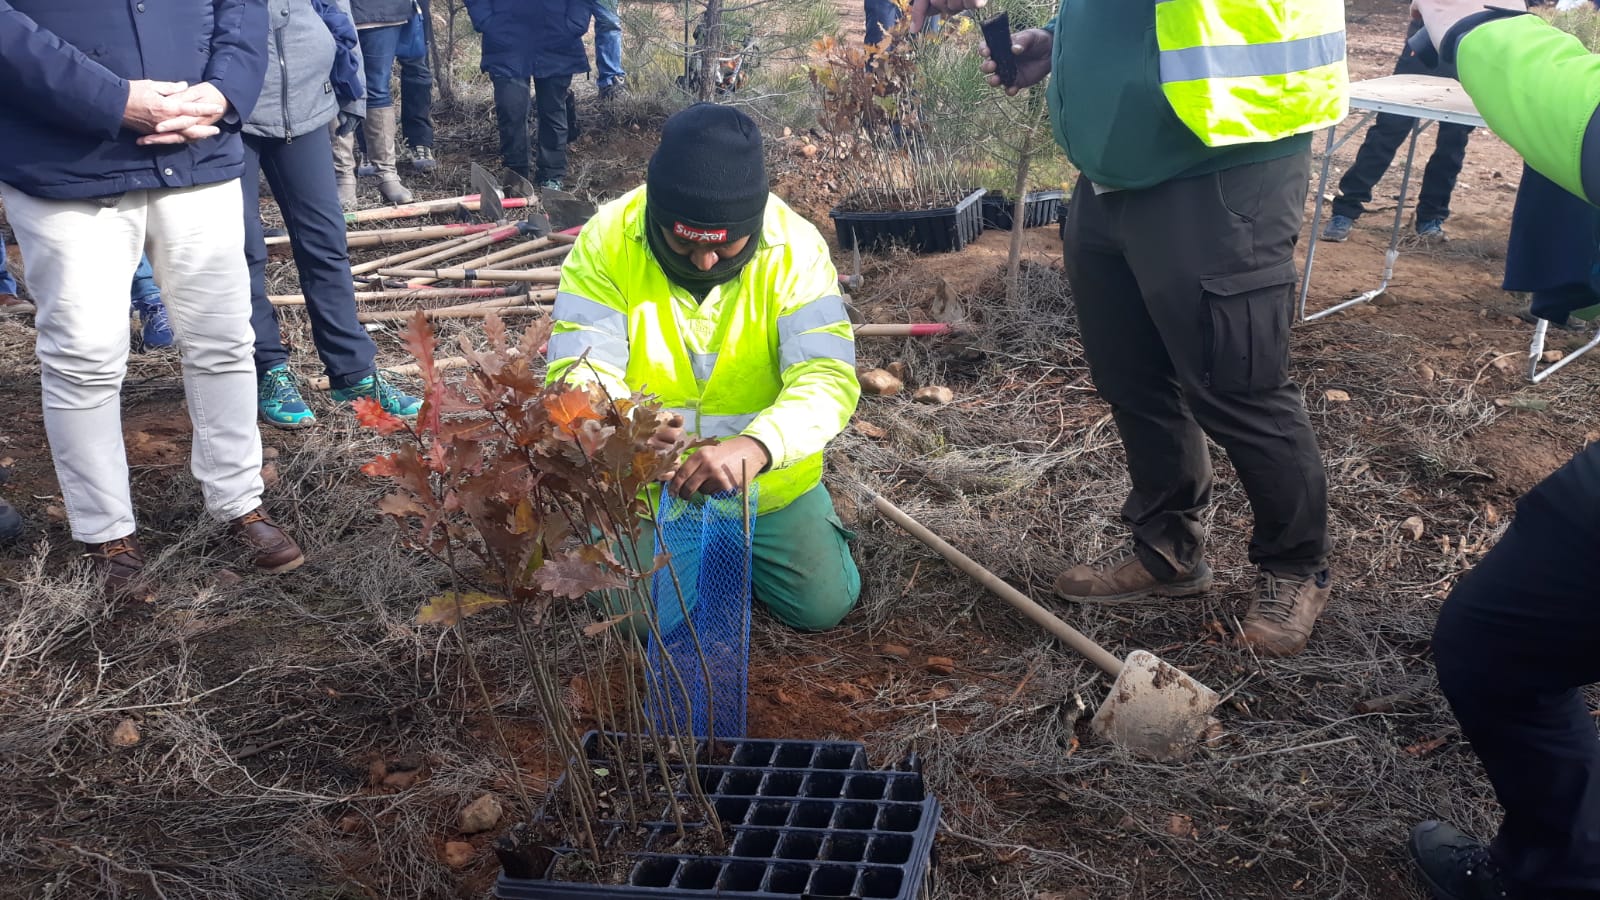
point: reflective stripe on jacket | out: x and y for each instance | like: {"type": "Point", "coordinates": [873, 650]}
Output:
{"type": "Point", "coordinates": [770, 354]}
{"type": "Point", "coordinates": [1247, 71]}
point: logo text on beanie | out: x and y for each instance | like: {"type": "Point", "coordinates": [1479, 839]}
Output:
{"type": "Point", "coordinates": [700, 235]}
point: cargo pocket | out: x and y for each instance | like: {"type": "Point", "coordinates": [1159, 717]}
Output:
{"type": "Point", "coordinates": [1246, 328]}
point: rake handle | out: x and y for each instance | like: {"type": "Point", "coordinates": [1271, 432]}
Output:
{"type": "Point", "coordinates": [1024, 604]}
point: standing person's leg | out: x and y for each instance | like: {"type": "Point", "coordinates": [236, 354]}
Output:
{"type": "Point", "coordinates": [607, 46]}
{"type": "Point", "coordinates": [377, 54]}
{"type": "Point", "coordinates": [299, 175]}
{"type": "Point", "coordinates": [8, 284]}
{"type": "Point", "coordinates": [195, 237]}
{"type": "Point", "coordinates": [1439, 178]}
{"type": "Point", "coordinates": [344, 166]}
{"type": "Point", "coordinates": [278, 399]}
{"type": "Point", "coordinates": [881, 16]}
{"type": "Point", "coordinates": [1377, 152]}
{"type": "Point", "coordinates": [416, 100]}
{"type": "Point", "coordinates": [145, 296]}
{"type": "Point", "coordinates": [512, 101]}
{"type": "Point", "coordinates": [81, 258]}
{"type": "Point", "coordinates": [1214, 258]}
{"type": "Point", "coordinates": [550, 98]}
{"type": "Point", "coordinates": [1168, 463]}
{"type": "Point", "coordinates": [801, 567]}
{"type": "Point", "coordinates": [1516, 640]}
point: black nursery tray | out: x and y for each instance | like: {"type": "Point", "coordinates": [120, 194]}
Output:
{"type": "Point", "coordinates": [805, 819]}
{"type": "Point", "coordinates": [1041, 208]}
{"type": "Point", "coordinates": [941, 230]}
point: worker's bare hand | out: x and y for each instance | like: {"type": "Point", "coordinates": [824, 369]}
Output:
{"type": "Point", "coordinates": [1439, 16]}
{"type": "Point", "coordinates": [152, 102]}
{"type": "Point", "coordinates": [719, 468]}
{"type": "Point", "coordinates": [202, 107]}
{"type": "Point", "coordinates": [669, 435]}
{"type": "Point", "coordinates": [1033, 49]}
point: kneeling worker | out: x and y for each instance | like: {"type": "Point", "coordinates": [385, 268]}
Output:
{"type": "Point", "coordinates": [706, 291]}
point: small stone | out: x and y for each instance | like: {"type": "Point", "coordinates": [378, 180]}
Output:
{"type": "Point", "coordinates": [940, 665]}
{"type": "Point", "coordinates": [1458, 341]}
{"type": "Point", "coordinates": [880, 383]}
{"type": "Point", "coordinates": [401, 780]}
{"type": "Point", "coordinates": [1412, 528]}
{"type": "Point", "coordinates": [809, 151]}
{"type": "Point", "coordinates": [227, 578]}
{"type": "Point", "coordinates": [1505, 363]}
{"type": "Point", "coordinates": [1334, 395]}
{"type": "Point", "coordinates": [55, 514]}
{"type": "Point", "coordinates": [787, 131]}
{"type": "Point", "coordinates": [481, 814]}
{"type": "Point", "coordinates": [1553, 356]}
{"type": "Point", "coordinates": [1426, 373]}
{"type": "Point", "coordinates": [897, 369]}
{"type": "Point", "coordinates": [876, 432]}
{"type": "Point", "coordinates": [377, 771]}
{"type": "Point", "coordinates": [459, 854]}
{"type": "Point", "coordinates": [1181, 826]}
{"type": "Point", "coordinates": [349, 823]}
{"type": "Point", "coordinates": [126, 734]}
{"type": "Point", "coordinates": [895, 651]}
{"type": "Point", "coordinates": [934, 395]}
{"type": "Point", "coordinates": [269, 475]}
{"type": "Point", "coordinates": [269, 453]}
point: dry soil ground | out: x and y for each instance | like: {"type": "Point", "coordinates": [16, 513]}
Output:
{"type": "Point", "coordinates": [301, 737]}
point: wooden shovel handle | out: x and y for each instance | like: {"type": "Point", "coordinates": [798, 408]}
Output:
{"type": "Point", "coordinates": [1042, 617]}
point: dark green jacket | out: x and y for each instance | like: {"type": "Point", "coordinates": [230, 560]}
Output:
{"type": "Point", "coordinates": [1107, 106]}
{"type": "Point", "coordinates": [1539, 90]}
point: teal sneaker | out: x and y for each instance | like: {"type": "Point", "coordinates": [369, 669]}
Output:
{"type": "Point", "coordinates": [280, 402]}
{"type": "Point", "coordinates": [393, 400]}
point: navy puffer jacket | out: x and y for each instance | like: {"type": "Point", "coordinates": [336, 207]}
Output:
{"type": "Point", "coordinates": [64, 72]}
{"type": "Point", "coordinates": [532, 38]}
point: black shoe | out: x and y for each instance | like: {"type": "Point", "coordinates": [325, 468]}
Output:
{"type": "Point", "coordinates": [1454, 866]}
{"type": "Point", "coordinates": [10, 522]}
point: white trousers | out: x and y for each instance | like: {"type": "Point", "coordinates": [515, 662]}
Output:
{"type": "Point", "coordinates": [80, 258]}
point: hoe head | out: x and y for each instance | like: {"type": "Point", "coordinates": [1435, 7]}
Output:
{"type": "Point", "coordinates": [490, 195]}
{"type": "Point", "coordinates": [1155, 710]}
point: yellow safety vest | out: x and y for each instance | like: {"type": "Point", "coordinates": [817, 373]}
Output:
{"type": "Point", "coordinates": [770, 354]}
{"type": "Point", "coordinates": [1248, 71]}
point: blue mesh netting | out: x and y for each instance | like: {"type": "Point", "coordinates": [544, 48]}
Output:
{"type": "Point", "coordinates": [711, 558]}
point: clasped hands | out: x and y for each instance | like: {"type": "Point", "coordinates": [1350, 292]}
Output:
{"type": "Point", "coordinates": [713, 469]}
{"type": "Point", "coordinates": [173, 112]}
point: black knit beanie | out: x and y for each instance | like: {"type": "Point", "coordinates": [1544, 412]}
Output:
{"type": "Point", "coordinates": [707, 181]}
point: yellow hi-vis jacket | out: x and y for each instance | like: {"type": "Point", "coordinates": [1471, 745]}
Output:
{"type": "Point", "coordinates": [770, 354]}
{"type": "Point", "coordinates": [1246, 71]}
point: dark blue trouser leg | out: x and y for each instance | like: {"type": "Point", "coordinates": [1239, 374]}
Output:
{"type": "Point", "coordinates": [881, 16]}
{"type": "Point", "coordinates": [1516, 641]}
{"type": "Point", "coordinates": [1439, 178]}
{"type": "Point", "coordinates": [301, 175]}
{"type": "Point", "coordinates": [8, 284]}
{"type": "Point", "coordinates": [416, 91]}
{"type": "Point", "coordinates": [378, 46]}
{"type": "Point", "coordinates": [1377, 152]}
{"type": "Point", "coordinates": [550, 97]}
{"type": "Point", "coordinates": [512, 98]}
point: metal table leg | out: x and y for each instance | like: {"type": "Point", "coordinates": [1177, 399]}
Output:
{"type": "Point", "coordinates": [1536, 352]}
{"type": "Point", "coordinates": [1316, 213]}
{"type": "Point", "coordinates": [1394, 235]}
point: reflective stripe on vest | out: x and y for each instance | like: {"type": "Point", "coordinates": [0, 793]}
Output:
{"type": "Point", "coordinates": [1251, 71]}
{"type": "Point", "coordinates": [712, 426]}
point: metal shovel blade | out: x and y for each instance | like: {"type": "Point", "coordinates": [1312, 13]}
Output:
{"type": "Point", "coordinates": [1155, 710]}
{"type": "Point", "coordinates": [490, 208]}
{"type": "Point", "coordinates": [565, 210]}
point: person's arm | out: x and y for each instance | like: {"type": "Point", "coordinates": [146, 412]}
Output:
{"type": "Point", "coordinates": [816, 348]}
{"type": "Point", "coordinates": [52, 80]}
{"type": "Point", "coordinates": [1539, 90]}
{"type": "Point", "coordinates": [478, 11]}
{"type": "Point", "coordinates": [589, 338]}
{"type": "Point", "coordinates": [238, 62]}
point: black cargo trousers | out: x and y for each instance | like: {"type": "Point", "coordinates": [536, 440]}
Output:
{"type": "Point", "coordinates": [1184, 294]}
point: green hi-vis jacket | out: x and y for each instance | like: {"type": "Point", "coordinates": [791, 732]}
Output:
{"type": "Point", "coordinates": [770, 354]}
{"type": "Point", "coordinates": [1538, 88]}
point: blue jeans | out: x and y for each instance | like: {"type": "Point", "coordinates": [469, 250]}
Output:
{"type": "Point", "coordinates": [302, 181]}
{"type": "Point", "coordinates": [8, 284]}
{"type": "Point", "coordinates": [607, 42]}
{"type": "Point", "coordinates": [378, 47]}
{"type": "Point", "coordinates": [416, 91]}
{"type": "Point", "coordinates": [881, 16]}
{"type": "Point", "coordinates": [144, 282]}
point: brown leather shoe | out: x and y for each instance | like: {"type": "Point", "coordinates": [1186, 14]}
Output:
{"type": "Point", "coordinates": [12, 305]}
{"type": "Point", "coordinates": [1119, 576]}
{"type": "Point", "coordinates": [1284, 611]}
{"type": "Point", "coordinates": [274, 551]}
{"type": "Point", "coordinates": [120, 563]}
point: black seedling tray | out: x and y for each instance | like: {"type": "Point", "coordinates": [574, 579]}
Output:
{"type": "Point", "coordinates": [942, 230]}
{"type": "Point", "coordinates": [805, 819]}
{"type": "Point", "coordinates": [1041, 208]}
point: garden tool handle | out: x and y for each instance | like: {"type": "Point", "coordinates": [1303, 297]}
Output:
{"type": "Point", "coordinates": [1024, 604]}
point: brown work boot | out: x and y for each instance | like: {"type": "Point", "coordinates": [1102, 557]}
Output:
{"type": "Point", "coordinates": [1284, 611]}
{"type": "Point", "coordinates": [12, 305]}
{"type": "Point", "coordinates": [274, 551]}
{"type": "Point", "coordinates": [1119, 576]}
{"type": "Point", "coordinates": [119, 563]}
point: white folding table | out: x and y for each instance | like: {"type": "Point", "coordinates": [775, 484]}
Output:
{"type": "Point", "coordinates": [1425, 98]}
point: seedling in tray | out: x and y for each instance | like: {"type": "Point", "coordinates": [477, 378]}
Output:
{"type": "Point", "coordinates": [801, 818]}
